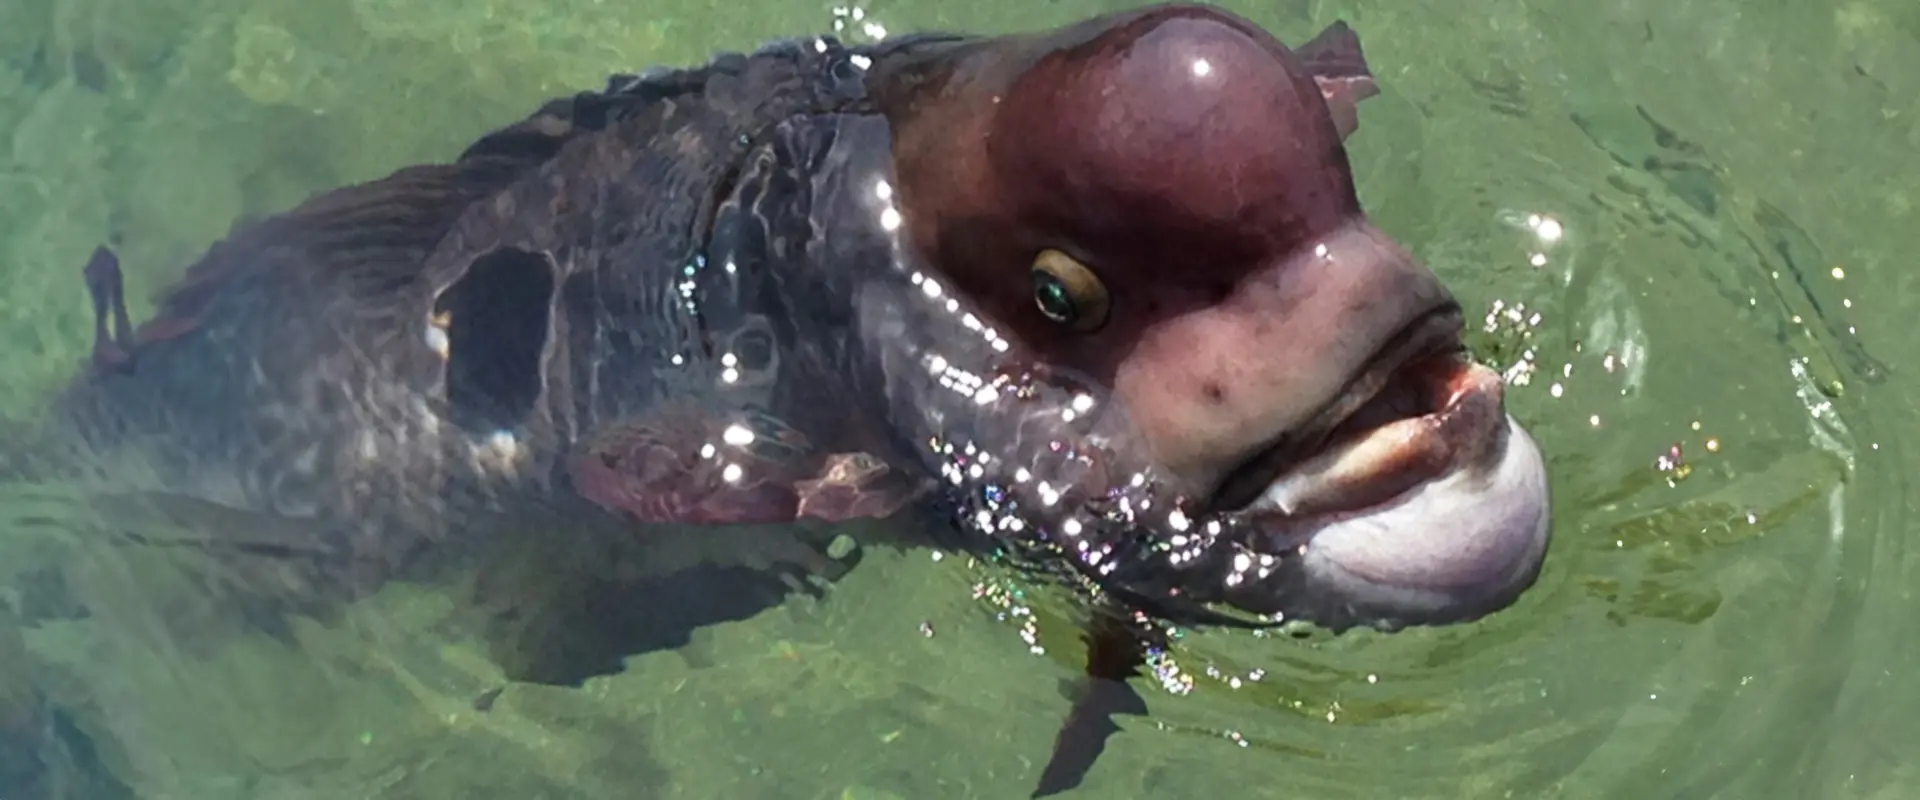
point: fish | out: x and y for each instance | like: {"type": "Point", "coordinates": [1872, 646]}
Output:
{"type": "Point", "coordinates": [1099, 299]}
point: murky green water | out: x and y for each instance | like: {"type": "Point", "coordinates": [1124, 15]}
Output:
{"type": "Point", "coordinates": [1732, 182]}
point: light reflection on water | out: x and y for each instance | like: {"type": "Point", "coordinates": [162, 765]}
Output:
{"type": "Point", "coordinates": [1696, 340]}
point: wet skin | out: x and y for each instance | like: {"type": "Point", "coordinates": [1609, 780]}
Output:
{"type": "Point", "coordinates": [1101, 299]}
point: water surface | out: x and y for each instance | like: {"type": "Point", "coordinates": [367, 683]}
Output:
{"type": "Point", "coordinates": [1690, 229]}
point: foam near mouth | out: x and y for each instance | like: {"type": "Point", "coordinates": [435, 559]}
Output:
{"type": "Point", "coordinates": [1437, 416]}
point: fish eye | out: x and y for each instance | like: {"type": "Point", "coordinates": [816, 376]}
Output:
{"type": "Point", "coordinates": [1068, 292]}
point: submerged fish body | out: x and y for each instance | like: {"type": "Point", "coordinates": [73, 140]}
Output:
{"type": "Point", "coordinates": [1103, 296]}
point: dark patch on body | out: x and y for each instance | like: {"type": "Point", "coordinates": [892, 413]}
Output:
{"type": "Point", "coordinates": [496, 318]}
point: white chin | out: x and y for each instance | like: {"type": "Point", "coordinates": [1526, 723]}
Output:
{"type": "Point", "coordinates": [1454, 547]}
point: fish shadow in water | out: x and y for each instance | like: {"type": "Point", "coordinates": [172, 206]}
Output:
{"type": "Point", "coordinates": [561, 618]}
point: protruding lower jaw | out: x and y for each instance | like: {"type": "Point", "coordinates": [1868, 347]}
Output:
{"type": "Point", "coordinates": [1430, 505]}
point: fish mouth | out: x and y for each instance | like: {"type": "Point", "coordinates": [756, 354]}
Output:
{"type": "Point", "coordinates": [1414, 499]}
{"type": "Point", "coordinates": [1431, 416]}
{"type": "Point", "coordinates": [1393, 386]}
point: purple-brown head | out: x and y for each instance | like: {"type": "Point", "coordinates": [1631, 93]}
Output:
{"type": "Point", "coordinates": [1159, 202]}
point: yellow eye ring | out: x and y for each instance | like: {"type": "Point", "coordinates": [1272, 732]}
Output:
{"type": "Point", "coordinates": [1068, 292]}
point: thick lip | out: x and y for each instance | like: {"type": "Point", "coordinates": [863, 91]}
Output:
{"type": "Point", "coordinates": [1440, 415]}
{"type": "Point", "coordinates": [1426, 354]}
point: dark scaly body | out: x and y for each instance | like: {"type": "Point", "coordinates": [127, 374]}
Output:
{"type": "Point", "coordinates": [291, 370]}
{"type": "Point", "coordinates": [807, 283]}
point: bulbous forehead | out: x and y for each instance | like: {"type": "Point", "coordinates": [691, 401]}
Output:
{"type": "Point", "coordinates": [1177, 123]}
{"type": "Point", "coordinates": [1178, 151]}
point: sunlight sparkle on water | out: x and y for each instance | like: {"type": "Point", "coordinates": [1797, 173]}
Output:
{"type": "Point", "coordinates": [854, 18]}
{"type": "Point", "coordinates": [1547, 228]}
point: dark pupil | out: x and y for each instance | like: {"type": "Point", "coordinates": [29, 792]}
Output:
{"type": "Point", "coordinates": [1052, 297]}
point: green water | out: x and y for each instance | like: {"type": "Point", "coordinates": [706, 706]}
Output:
{"type": "Point", "coordinates": [1733, 184]}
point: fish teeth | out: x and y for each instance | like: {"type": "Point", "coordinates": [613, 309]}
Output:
{"type": "Point", "coordinates": [437, 333]}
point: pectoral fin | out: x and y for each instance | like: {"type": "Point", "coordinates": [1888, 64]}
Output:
{"type": "Point", "coordinates": [690, 465]}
